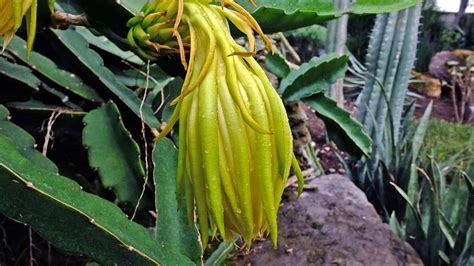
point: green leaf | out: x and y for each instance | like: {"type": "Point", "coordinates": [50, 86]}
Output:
{"type": "Point", "coordinates": [113, 152]}
{"type": "Point", "coordinates": [134, 6]}
{"type": "Point", "coordinates": [50, 70]}
{"type": "Point", "coordinates": [404, 196]}
{"type": "Point", "coordinates": [458, 195]}
{"type": "Point", "coordinates": [157, 79]}
{"type": "Point", "coordinates": [91, 60]}
{"type": "Point", "coordinates": [420, 132]}
{"type": "Point", "coordinates": [272, 15]}
{"type": "Point", "coordinates": [36, 106]}
{"type": "Point", "coordinates": [111, 16]}
{"type": "Point", "coordinates": [24, 142]}
{"type": "Point", "coordinates": [466, 257]}
{"type": "Point", "coordinates": [447, 230]}
{"type": "Point", "coordinates": [219, 256]}
{"type": "Point", "coordinates": [434, 236]}
{"type": "Point", "coordinates": [51, 6]}
{"type": "Point", "coordinates": [19, 73]}
{"type": "Point", "coordinates": [72, 219]}
{"type": "Point", "coordinates": [276, 64]}
{"type": "Point", "coordinates": [396, 226]}
{"type": "Point", "coordinates": [173, 229]}
{"type": "Point", "coordinates": [284, 15]}
{"type": "Point", "coordinates": [313, 77]}
{"type": "Point", "coordinates": [105, 44]}
{"type": "Point", "coordinates": [412, 217]}
{"type": "Point", "coordinates": [380, 6]}
{"type": "Point", "coordinates": [443, 256]}
{"type": "Point", "coordinates": [465, 239]}
{"type": "Point", "coordinates": [346, 132]}
{"type": "Point", "coordinates": [316, 33]}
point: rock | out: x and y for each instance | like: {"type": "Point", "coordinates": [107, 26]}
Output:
{"type": "Point", "coordinates": [428, 85]}
{"type": "Point", "coordinates": [335, 225]}
{"type": "Point", "coordinates": [463, 54]}
{"type": "Point", "coordinates": [437, 66]}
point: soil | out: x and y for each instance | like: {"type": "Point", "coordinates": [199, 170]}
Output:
{"type": "Point", "coordinates": [442, 109]}
{"type": "Point", "coordinates": [327, 153]}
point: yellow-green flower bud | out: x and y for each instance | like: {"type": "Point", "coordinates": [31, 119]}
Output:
{"type": "Point", "coordinates": [11, 16]}
{"type": "Point", "coordinates": [235, 142]}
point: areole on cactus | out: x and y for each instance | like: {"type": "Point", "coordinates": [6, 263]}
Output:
{"type": "Point", "coordinates": [235, 142]}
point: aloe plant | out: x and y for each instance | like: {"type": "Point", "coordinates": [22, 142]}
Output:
{"type": "Point", "coordinates": [441, 229]}
{"type": "Point", "coordinates": [107, 188]}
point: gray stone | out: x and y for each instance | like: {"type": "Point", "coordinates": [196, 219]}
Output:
{"type": "Point", "coordinates": [335, 225]}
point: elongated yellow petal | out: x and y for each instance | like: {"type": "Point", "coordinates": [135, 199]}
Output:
{"type": "Point", "coordinates": [195, 158]}
{"type": "Point", "coordinates": [209, 128]}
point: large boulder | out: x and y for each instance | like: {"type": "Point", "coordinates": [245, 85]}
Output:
{"type": "Point", "coordinates": [334, 225]}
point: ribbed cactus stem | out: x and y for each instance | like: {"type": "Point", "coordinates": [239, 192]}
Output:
{"type": "Point", "coordinates": [390, 58]}
{"type": "Point", "coordinates": [336, 43]}
{"type": "Point", "coordinates": [407, 62]}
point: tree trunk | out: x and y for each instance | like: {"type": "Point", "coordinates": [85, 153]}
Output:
{"type": "Point", "coordinates": [461, 12]}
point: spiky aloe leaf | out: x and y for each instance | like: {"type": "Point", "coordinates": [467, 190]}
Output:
{"type": "Point", "coordinates": [434, 235]}
{"type": "Point", "coordinates": [19, 73]}
{"type": "Point", "coordinates": [113, 152]}
{"type": "Point", "coordinates": [396, 226]}
{"type": "Point", "coordinates": [462, 252]}
{"type": "Point", "coordinates": [73, 220]}
{"type": "Point", "coordinates": [346, 132]}
{"type": "Point", "coordinates": [412, 217]}
{"type": "Point", "coordinates": [78, 46]}
{"type": "Point", "coordinates": [313, 77]}
{"type": "Point", "coordinates": [420, 132]}
{"type": "Point", "coordinates": [50, 70]}
{"type": "Point", "coordinates": [183, 237]}
{"type": "Point", "coordinates": [455, 201]}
